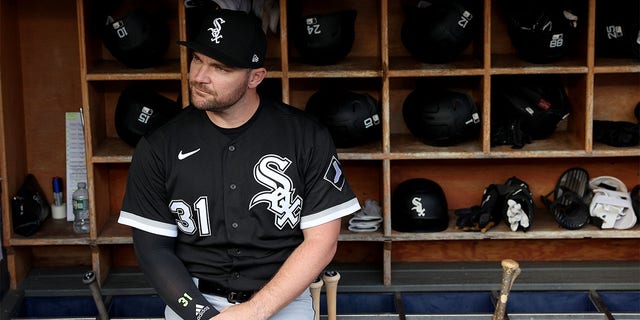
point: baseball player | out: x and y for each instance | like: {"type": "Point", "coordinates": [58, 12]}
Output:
{"type": "Point", "coordinates": [236, 202]}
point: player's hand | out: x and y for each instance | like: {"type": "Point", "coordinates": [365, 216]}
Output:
{"type": "Point", "coordinates": [245, 310]}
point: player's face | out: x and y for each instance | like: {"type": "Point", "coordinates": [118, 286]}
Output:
{"type": "Point", "coordinates": [215, 86]}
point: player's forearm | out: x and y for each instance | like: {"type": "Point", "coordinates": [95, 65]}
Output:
{"type": "Point", "coordinates": [300, 269]}
{"type": "Point", "coordinates": [169, 276]}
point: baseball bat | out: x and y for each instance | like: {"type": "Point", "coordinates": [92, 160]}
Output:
{"type": "Point", "coordinates": [89, 278]}
{"type": "Point", "coordinates": [316, 287]}
{"type": "Point", "coordinates": [331, 278]}
{"type": "Point", "coordinates": [510, 271]}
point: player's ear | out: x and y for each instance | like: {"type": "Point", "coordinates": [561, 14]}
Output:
{"type": "Point", "coordinates": [256, 77]}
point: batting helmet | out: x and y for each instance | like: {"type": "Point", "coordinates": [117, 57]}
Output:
{"type": "Point", "coordinates": [324, 39]}
{"type": "Point", "coordinates": [419, 205]}
{"type": "Point", "coordinates": [618, 29]}
{"type": "Point", "coordinates": [441, 31]}
{"type": "Point", "coordinates": [541, 31]}
{"type": "Point", "coordinates": [140, 110]}
{"type": "Point", "coordinates": [441, 118]}
{"type": "Point", "coordinates": [352, 118]}
{"type": "Point", "coordinates": [138, 39]}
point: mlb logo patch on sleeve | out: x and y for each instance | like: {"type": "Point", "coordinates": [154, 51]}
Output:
{"type": "Point", "coordinates": [334, 174]}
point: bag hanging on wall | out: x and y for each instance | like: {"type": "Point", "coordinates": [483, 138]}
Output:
{"type": "Point", "coordinates": [29, 207]}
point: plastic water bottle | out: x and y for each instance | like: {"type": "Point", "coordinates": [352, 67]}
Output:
{"type": "Point", "coordinates": [81, 209]}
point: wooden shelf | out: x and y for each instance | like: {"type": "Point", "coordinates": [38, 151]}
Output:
{"type": "Point", "coordinates": [351, 67]}
{"type": "Point", "coordinates": [109, 70]}
{"type": "Point", "coordinates": [113, 150]}
{"type": "Point", "coordinates": [613, 65]}
{"type": "Point", "coordinates": [32, 126]}
{"type": "Point", "coordinates": [410, 67]}
{"type": "Point", "coordinates": [543, 227]}
{"type": "Point", "coordinates": [52, 232]}
{"type": "Point", "coordinates": [508, 64]}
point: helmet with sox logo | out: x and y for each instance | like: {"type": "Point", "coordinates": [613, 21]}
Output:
{"type": "Point", "coordinates": [419, 205]}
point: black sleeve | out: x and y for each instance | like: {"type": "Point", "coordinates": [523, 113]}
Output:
{"type": "Point", "coordinates": [169, 276]}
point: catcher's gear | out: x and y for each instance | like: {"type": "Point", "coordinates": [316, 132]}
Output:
{"type": "Point", "coordinates": [635, 200]}
{"type": "Point", "coordinates": [610, 206]}
{"type": "Point", "coordinates": [570, 197]}
{"type": "Point", "coordinates": [525, 108]}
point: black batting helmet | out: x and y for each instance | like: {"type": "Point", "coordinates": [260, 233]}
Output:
{"type": "Point", "coordinates": [352, 118]}
{"type": "Point", "coordinates": [441, 31]}
{"type": "Point", "coordinates": [324, 39]}
{"type": "Point", "coordinates": [419, 205]}
{"type": "Point", "coordinates": [138, 39]}
{"type": "Point", "coordinates": [140, 110]}
{"type": "Point", "coordinates": [618, 29]}
{"type": "Point", "coordinates": [541, 31]}
{"type": "Point", "coordinates": [441, 117]}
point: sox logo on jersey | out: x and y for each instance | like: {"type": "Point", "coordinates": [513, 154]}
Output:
{"type": "Point", "coordinates": [281, 197]}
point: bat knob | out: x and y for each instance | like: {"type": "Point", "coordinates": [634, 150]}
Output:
{"type": "Point", "coordinates": [89, 277]}
{"type": "Point", "coordinates": [510, 264]}
{"type": "Point", "coordinates": [331, 276]}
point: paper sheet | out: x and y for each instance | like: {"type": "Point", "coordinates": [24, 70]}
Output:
{"type": "Point", "coordinates": [75, 155]}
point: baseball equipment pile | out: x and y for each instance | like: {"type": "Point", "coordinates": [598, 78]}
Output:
{"type": "Point", "coordinates": [511, 202]}
{"type": "Point", "coordinates": [603, 201]}
{"type": "Point", "coordinates": [526, 108]}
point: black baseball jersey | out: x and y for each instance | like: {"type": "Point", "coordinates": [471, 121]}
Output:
{"type": "Point", "coordinates": [236, 201]}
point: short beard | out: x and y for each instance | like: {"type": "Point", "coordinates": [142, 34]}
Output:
{"type": "Point", "coordinates": [217, 105]}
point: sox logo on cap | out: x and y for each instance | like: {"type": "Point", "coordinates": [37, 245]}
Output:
{"type": "Point", "coordinates": [215, 31]}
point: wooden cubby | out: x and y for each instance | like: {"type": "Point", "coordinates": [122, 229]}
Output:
{"type": "Point", "coordinates": [52, 61]}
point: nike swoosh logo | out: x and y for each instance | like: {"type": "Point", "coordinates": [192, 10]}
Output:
{"type": "Point", "coordinates": [182, 156]}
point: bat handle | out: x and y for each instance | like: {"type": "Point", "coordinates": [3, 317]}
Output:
{"type": "Point", "coordinates": [510, 271]}
{"type": "Point", "coordinates": [331, 278]}
{"type": "Point", "coordinates": [315, 288]}
{"type": "Point", "coordinates": [89, 278]}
